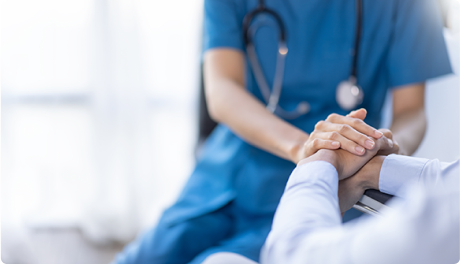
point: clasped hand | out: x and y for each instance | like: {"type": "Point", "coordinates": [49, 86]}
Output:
{"type": "Point", "coordinates": [349, 159]}
{"type": "Point", "coordinates": [346, 163]}
{"type": "Point", "coordinates": [349, 133]}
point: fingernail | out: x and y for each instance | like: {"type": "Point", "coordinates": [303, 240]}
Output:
{"type": "Point", "coordinates": [359, 149]}
{"type": "Point", "coordinates": [335, 144]}
{"type": "Point", "coordinates": [378, 134]}
{"type": "Point", "coordinates": [369, 144]}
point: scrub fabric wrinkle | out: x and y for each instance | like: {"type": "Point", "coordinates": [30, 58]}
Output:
{"type": "Point", "coordinates": [229, 200]}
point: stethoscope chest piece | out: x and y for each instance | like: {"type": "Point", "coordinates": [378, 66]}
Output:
{"type": "Point", "coordinates": [349, 95]}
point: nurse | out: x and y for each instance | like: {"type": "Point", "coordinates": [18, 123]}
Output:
{"type": "Point", "coordinates": [229, 201]}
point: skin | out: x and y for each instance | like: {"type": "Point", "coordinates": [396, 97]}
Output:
{"type": "Point", "coordinates": [352, 188]}
{"type": "Point", "coordinates": [231, 104]}
{"type": "Point", "coordinates": [409, 119]}
{"type": "Point", "coordinates": [348, 164]}
{"type": "Point", "coordinates": [356, 173]}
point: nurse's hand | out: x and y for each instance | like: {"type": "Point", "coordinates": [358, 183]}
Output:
{"type": "Point", "coordinates": [346, 163]}
{"type": "Point", "coordinates": [386, 132]}
{"type": "Point", "coordinates": [349, 132]}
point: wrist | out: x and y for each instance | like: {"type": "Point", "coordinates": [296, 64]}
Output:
{"type": "Point", "coordinates": [371, 172]}
{"type": "Point", "coordinates": [296, 151]}
{"type": "Point", "coordinates": [323, 155]}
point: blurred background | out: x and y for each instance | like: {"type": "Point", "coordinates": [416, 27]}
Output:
{"type": "Point", "coordinates": [99, 116]}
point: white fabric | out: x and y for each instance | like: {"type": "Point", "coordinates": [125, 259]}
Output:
{"type": "Point", "coordinates": [424, 228]}
{"type": "Point", "coordinates": [227, 258]}
{"type": "Point", "coordinates": [395, 166]}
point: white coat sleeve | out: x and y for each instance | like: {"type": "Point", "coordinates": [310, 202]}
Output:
{"type": "Point", "coordinates": [424, 228]}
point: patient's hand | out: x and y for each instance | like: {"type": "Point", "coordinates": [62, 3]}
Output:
{"type": "Point", "coordinates": [352, 188]}
{"type": "Point", "coordinates": [348, 164]}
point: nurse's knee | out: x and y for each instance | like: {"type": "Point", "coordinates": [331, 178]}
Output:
{"type": "Point", "coordinates": [178, 242]}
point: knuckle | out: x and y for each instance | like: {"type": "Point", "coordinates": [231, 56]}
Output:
{"type": "Point", "coordinates": [316, 142]}
{"type": "Point", "coordinates": [319, 125]}
{"type": "Point", "coordinates": [331, 116]}
{"type": "Point", "coordinates": [334, 135]}
{"type": "Point", "coordinates": [344, 128]}
{"type": "Point", "coordinates": [357, 122]}
{"type": "Point", "coordinates": [313, 134]}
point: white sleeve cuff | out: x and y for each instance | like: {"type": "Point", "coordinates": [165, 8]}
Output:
{"type": "Point", "coordinates": [399, 170]}
{"type": "Point", "coordinates": [313, 173]}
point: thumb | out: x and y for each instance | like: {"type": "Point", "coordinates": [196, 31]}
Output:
{"type": "Point", "coordinates": [360, 114]}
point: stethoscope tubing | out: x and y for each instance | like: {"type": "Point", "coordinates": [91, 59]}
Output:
{"type": "Point", "coordinates": [261, 9]}
{"type": "Point", "coordinates": [359, 14]}
{"type": "Point", "coordinates": [272, 98]}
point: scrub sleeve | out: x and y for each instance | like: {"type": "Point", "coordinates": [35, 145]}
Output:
{"type": "Point", "coordinates": [417, 51]}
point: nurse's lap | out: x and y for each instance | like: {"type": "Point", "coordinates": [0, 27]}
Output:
{"type": "Point", "coordinates": [179, 243]}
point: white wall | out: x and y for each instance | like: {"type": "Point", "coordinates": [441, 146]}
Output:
{"type": "Point", "coordinates": [443, 111]}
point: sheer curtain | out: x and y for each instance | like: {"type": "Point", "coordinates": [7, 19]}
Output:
{"type": "Point", "coordinates": [98, 112]}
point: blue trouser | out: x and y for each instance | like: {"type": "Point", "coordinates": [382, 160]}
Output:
{"type": "Point", "coordinates": [191, 241]}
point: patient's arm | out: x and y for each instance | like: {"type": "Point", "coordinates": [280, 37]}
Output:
{"type": "Point", "coordinates": [307, 225]}
{"type": "Point", "coordinates": [399, 171]}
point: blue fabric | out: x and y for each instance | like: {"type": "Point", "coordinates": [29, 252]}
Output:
{"type": "Point", "coordinates": [401, 43]}
{"type": "Point", "coordinates": [228, 229]}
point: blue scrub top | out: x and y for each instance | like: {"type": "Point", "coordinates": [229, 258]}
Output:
{"type": "Point", "coordinates": [401, 43]}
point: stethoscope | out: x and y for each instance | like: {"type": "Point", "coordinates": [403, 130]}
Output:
{"type": "Point", "coordinates": [348, 94]}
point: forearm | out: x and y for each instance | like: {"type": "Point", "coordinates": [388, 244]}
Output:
{"type": "Point", "coordinates": [306, 228]}
{"type": "Point", "coordinates": [399, 171]}
{"type": "Point", "coordinates": [231, 104]}
{"type": "Point", "coordinates": [408, 130]}
{"type": "Point", "coordinates": [390, 174]}
{"type": "Point", "coordinates": [399, 237]}
{"type": "Point", "coordinates": [409, 121]}
{"type": "Point", "coordinates": [308, 203]}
